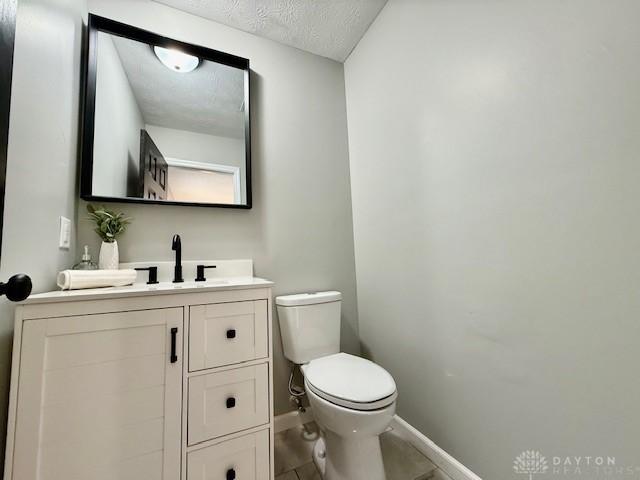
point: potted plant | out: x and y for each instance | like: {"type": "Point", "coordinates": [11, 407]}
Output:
{"type": "Point", "coordinates": [109, 225]}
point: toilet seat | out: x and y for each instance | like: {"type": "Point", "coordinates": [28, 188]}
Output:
{"type": "Point", "coordinates": [351, 382]}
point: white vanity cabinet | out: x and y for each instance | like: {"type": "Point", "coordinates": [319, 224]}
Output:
{"type": "Point", "coordinates": [140, 383]}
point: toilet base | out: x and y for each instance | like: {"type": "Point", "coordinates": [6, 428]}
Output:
{"type": "Point", "coordinates": [319, 455]}
{"type": "Point", "coordinates": [339, 458]}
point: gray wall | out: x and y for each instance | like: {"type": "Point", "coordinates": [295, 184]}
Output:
{"type": "Point", "coordinates": [118, 121]}
{"type": "Point", "coordinates": [41, 171]}
{"type": "Point", "coordinates": [299, 231]}
{"type": "Point", "coordinates": [495, 171]}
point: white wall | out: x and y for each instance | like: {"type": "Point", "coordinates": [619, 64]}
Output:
{"type": "Point", "coordinates": [299, 231]}
{"type": "Point", "coordinates": [495, 181]}
{"type": "Point", "coordinates": [118, 121]}
{"type": "Point", "coordinates": [199, 147]}
{"type": "Point", "coordinates": [189, 185]}
{"type": "Point", "coordinates": [41, 170]}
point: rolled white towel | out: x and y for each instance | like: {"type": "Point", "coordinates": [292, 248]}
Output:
{"type": "Point", "coordinates": [79, 279]}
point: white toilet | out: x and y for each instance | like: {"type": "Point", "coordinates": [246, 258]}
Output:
{"type": "Point", "coordinates": [353, 399]}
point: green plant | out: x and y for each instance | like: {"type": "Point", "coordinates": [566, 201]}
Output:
{"type": "Point", "coordinates": [109, 224]}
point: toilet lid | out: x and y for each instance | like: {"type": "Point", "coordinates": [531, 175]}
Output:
{"type": "Point", "coordinates": [350, 381]}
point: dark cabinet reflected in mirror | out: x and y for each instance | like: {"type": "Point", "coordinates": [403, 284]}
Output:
{"type": "Point", "coordinates": [164, 121]}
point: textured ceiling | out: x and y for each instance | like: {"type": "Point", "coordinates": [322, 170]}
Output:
{"type": "Point", "coordinates": [331, 28]}
{"type": "Point", "coordinates": [208, 100]}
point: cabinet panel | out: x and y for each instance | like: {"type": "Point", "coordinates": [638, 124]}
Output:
{"type": "Point", "coordinates": [99, 398]}
{"type": "Point", "coordinates": [245, 458]}
{"type": "Point", "coordinates": [226, 402]}
{"type": "Point", "coordinates": [227, 333]}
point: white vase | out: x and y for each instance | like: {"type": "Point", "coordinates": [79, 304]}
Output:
{"type": "Point", "coordinates": [109, 257]}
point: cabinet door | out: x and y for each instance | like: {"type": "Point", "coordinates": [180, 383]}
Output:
{"type": "Point", "coordinates": [227, 333]}
{"type": "Point", "coordinates": [99, 397]}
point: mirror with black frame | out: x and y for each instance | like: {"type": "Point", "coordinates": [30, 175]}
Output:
{"type": "Point", "coordinates": [164, 121]}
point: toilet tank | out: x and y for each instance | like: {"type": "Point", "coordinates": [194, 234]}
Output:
{"type": "Point", "coordinates": [309, 325]}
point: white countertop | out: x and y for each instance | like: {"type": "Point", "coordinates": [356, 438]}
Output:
{"type": "Point", "coordinates": [142, 289]}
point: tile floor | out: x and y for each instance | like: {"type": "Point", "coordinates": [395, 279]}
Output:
{"type": "Point", "coordinates": [401, 460]}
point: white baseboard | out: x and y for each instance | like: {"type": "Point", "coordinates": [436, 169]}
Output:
{"type": "Point", "coordinates": [448, 464]}
{"type": "Point", "coordinates": [292, 419]}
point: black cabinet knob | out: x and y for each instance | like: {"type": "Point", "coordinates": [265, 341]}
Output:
{"type": "Point", "coordinates": [231, 402]}
{"type": "Point", "coordinates": [231, 474]}
{"type": "Point", "coordinates": [231, 333]}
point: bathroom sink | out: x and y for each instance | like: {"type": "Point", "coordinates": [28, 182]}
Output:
{"type": "Point", "coordinates": [187, 285]}
{"type": "Point", "coordinates": [207, 283]}
{"type": "Point", "coordinates": [223, 273]}
{"type": "Point", "coordinates": [228, 275]}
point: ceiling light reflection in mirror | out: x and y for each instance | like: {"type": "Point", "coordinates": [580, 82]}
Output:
{"type": "Point", "coordinates": [176, 60]}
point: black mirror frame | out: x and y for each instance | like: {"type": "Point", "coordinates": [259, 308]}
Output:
{"type": "Point", "coordinates": [102, 24]}
{"type": "Point", "coordinates": [8, 12]}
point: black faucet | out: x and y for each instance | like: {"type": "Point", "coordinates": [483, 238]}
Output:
{"type": "Point", "coordinates": [176, 245]}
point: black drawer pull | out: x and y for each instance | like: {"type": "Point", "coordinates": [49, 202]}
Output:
{"type": "Point", "coordinates": [174, 334]}
{"type": "Point", "coordinates": [231, 333]}
{"type": "Point", "coordinates": [231, 402]}
{"type": "Point", "coordinates": [231, 474]}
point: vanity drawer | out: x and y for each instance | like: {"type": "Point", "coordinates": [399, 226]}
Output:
{"type": "Point", "coordinates": [243, 458]}
{"type": "Point", "coordinates": [227, 333]}
{"type": "Point", "coordinates": [226, 402]}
